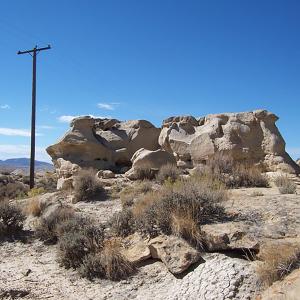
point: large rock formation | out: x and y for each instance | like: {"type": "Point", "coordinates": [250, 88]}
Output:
{"type": "Point", "coordinates": [249, 136]}
{"type": "Point", "coordinates": [111, 144]}
{"type": "Point", "coordinates": [104, 143]}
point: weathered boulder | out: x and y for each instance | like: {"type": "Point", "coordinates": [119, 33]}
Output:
{"type": "Point", "coordinates": [229, 235]}
{"type": "Point", "coordinates": [104, 143]}
{"type": "Point", "coordinates": [174, 252]}
{"type": "Point", "coordinates": [106, 174]}
{"type": "Point", "coordinates": [65, 172]}
{"type": "Point", "coordinates": [298, 161]}
{"type": "Point", "coordinates": [248, 136]}
{"type": "Point", "coordinates": [137, 249]}
{"type": "Point", "coordinates": [154, 160]}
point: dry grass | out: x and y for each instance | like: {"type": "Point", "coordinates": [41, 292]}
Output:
{"type": "Point", "coordinates": [145, 172]}
{"type": "Point", "coordinates": [168, 172]}
{"type": "Point", "coordinates": [184, 226]}
{"type": "Point", "coordinates": [108, 263]}
{"type": "Point", "coordinates": [278, 262]}
{"type": "Point", "coordinates": [130, 193]}
{"type": "Point", "coordinates": [87, 187]}
{"type": "Point", "coordinates": [33, 208]}
{"type": "Point", "coordinates": [116, 266]}
{"type": "Point", "coordinates": [285, 185]}
{"type": "Point", "coordinates": [11, 219]}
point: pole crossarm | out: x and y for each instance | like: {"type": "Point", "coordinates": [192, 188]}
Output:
{"type": "Point", "coordinates": [35, 49]}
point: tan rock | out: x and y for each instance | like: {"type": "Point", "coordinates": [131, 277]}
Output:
{"type": "Point", "coordinates": [287, 289]}
{"type": "Point", "coordinates": [103, 143]}
{"type": "Point", "coordinates": [249, 136]}
{"type": "Point", "coordinates": [137, 250]}
{"type": "Point", "coordinates": [229, 235]}
{"type": "Point", "coordinates": [154, 160]}
{"type": "Point", "coordinates": [65, 171]}
{"type": "Point", "coordinates": [107, 174]}
{"type": "Point", "coordinates": [174, 252]}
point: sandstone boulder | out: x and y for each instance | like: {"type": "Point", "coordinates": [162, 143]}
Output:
{"type": "Point", "coordinates": [137, 249]}
{"type": "Point", "coordinates": [153, 160]}
{"type": "Point", "coordinates": [174, 252]}
{"type": "Point", "coordinates": [104, 143]}
{"type": "Point", "coordinates": [106, 174]}
{"type": "Point", "coordinates": [65, 172]}
{"type": "Point", "coordinates": [229, 236]}
{"type": "Point", "coordinates": [248, 136]}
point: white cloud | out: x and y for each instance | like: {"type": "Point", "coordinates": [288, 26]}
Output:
{"type": "Point", "coordinates": [68, 119]}
{"type": "Point", "coordinates": [108, 106]}
{"type": "Point", "coordinates": [17, 151]}
{"type": "Point", "coordinates": [16, 132]}
{"type": "Point", "coordinates": [45, 127]}
{"type": "Point", "coordinates": [5, 106]}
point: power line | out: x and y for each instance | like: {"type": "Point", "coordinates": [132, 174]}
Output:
{"type": "Point", "coordinates": [33, 52]}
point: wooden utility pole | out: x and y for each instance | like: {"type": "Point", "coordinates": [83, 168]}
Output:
{"type": "Point", "coordinates": [33, 52]}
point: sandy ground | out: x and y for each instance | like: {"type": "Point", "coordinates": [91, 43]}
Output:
{"type": "Point", "coordinates": [32, 266]}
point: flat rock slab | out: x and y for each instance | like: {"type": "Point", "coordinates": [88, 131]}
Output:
{"type": "Point", "coordinates": [174, 252]}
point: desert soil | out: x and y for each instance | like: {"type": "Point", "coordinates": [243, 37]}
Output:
{"type": "Point", "coordinates": [32, 267]}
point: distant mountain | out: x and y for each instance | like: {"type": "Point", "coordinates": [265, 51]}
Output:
{"type": "Point", "coordinates": [24, 163]}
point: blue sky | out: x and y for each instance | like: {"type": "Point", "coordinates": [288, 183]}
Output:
{"type": "Point", "coordinates": [138, 59]}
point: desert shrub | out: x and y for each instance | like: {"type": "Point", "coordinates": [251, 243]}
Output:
{"type": "Point", "coordinates": [129, 194]}
{"type": "Point", "coordinates": [13, 190]}
{"type": "Point", "coordinates": [76, 244]}
{"type": "Point", "coordinates": [46, 230]}
{"type": "Point", "coordinates": [246, 176]}
{"type": "Point", "coordinates": [91, 267]}
{"type": "Point", "coordinates": [48, 182]}
{"type": "Point", "coordinates": [285, 185]}
{"type": "Point", "coordinates": [145, 172]}
{"type": "Point", "coordinates": [122, 223]}
{"type": "Point", "coordinates": [220, 163]}
{"type": "Point", "coordinates": [108, 263]}
{"type": "Point", "coordinates": [87, 187]}
{"type": "Point", "coordinates": [235, 174]}
{"type": "Point", "coordinates": [11, 219]}
{"type": "Point", "coordinates": [196, 199]}
{"type": "Point", "coordinates": [116, 266]}
{"type": "Point", "coordinates": [278, 262]}
{"type": "Point", "coordinates": [168, 172]}
{"type": "Point", "coordinates": [35, 192]}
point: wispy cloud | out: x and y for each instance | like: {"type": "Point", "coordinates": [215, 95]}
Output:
{"type": "Point", "coordinates": [16, 132]}
{"type": "Point", "coordinates": [108, 106]}
{"type": "Point", "coordinates": [45, 127]}
{"type": "Point", "coordinates": [15, 151]}
{"type": "Point", "coordinates": [4, 106]}
{"type": "Point", "coordinates": [68, 119]}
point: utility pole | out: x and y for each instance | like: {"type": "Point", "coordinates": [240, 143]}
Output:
{"type": "Point", "coordinates": [33, 52]}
